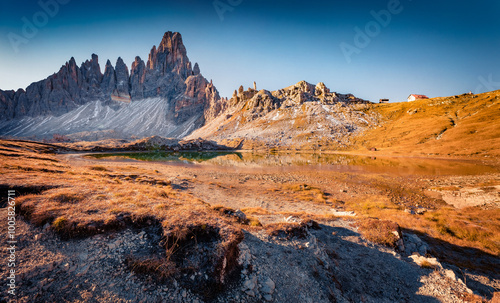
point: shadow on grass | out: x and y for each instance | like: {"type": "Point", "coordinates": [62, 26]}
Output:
{"type": "Point", "coordinates": [20, 190]}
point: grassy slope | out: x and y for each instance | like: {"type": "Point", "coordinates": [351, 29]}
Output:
{"type": "Point", "coordinates": [458, 125]}
{"type": "Point", "coordinates": [80, 201]}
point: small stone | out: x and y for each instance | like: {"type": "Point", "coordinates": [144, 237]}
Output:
{"type": "Point", "coordinates": [184, 294]}
{"type": "Point", "coordinates": [250, 283]}
{"type": "Point", "coordinates": [268, 286]}
{"type": "Point", "coordinates": [84, 270]}
{"type": "Point", "coordinates": [240, 215]}
{"type": "Point", "coordinates": [268, 297]}
{"type": "Point", "coordinates": [83, 256]}
{"type": "Point", "coordinates": [250, 293]}
{"type": "Point", "coordinates": [47, 286]}
{"type": "Point", "coordinates": [51, 266]}
{"type": "Point", "coordinates": [450, 274]}
{"type": "Point", "coordinates": [421, 211]}
{"type": "Point", "coordinates": [411, 212]}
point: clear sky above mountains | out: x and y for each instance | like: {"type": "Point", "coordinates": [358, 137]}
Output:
{"type": "Point", "coordinates": [373, 49]}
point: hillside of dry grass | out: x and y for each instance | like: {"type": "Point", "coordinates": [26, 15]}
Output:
{"type": "Point", "coordinates": [464, 125]}
{"type": "Point", "coordinates": [81, 201]}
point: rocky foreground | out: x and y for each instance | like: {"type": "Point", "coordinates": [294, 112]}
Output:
{"type": "Point", "coordinates": [124, 231]}
{"type": "Point", "coordinates": [331, 263]}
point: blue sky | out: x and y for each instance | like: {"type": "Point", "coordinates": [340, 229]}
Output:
{"type": "Point", "coordinates": [418, 46]}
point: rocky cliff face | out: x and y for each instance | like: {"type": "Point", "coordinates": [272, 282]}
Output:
{"type": "Point", "coordinates": [168, 96]}
{"type": "Point", "coordinates": [301, 116]}
{"type": "Point", "coordinates": [168, 74]}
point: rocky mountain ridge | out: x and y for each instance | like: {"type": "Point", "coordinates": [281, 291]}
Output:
{"type": "Point", "coordinates": [168, 74]}
{"type": "Point", "coordinates": [302, 115]}
{"type": "Point", "coordinates": [165, 96]}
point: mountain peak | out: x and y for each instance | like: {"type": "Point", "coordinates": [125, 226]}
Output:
{"type": "Point", "coordinates": [170, 41]}
{"type": "Point", "coordinates": [196, 69]}
{"type": "Point", "coordinates": [170, 56]}
{"type": "Point", "coordinates": [303, 86]}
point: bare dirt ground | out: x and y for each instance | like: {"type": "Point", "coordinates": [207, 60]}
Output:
{"type": "Point", "coordinates": [328, 262]}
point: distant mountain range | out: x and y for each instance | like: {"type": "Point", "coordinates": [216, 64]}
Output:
{"type": "Point", "coordinates": [169, 97]}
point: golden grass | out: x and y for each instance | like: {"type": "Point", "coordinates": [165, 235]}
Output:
{"type": "Point", "coordinates": [60, 223]}
{"type": "Point", "coordinates": [440, 126]}
{"type": "Point", "coordinates": [79, 201]}
{"type": "Point", "coordinates": [427, 264]}
{"type": "Point", "coordinates": [89, 200]}
{"type": "Point", "coordinates": [98, 168]}
{"type": "Point", "coordinates": [305, 192]}
{"type": "Point", "coordinates": [253, 221]}
{"type": "Point", "coordinates": [468, 227]}
{"type": "Point", "coordinates": [382, 232]}
{"type": "Point", "coordinates": [256, 211]}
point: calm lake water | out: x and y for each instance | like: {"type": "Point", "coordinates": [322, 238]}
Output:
{"type": "Point", "coordinates": [319, 161]}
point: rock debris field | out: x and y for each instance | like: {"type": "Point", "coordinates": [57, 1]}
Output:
{"type": "Point", "coordinates": [330, 264]}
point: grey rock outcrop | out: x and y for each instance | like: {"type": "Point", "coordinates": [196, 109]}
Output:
{"type": "Point", "coordinates": [256, 104]}
{"type": "Point", "coordinates": [299, 116]}
{"type": "Point", "coordinates": [137, 79]}
{"type": "Point", "coordinates": [60, 93]}
{"type": "Point", "coordinates": [122, 79]}
{"type": "Point", "coordinates": [91, 72]}
{"type": "Point", "coordinates": [196, 69]}
{"type": "Point", "coordinates": [109, 78]}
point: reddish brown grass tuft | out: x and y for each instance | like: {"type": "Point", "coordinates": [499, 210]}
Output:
{"type": "Point", "coordinates": [382, 232]}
